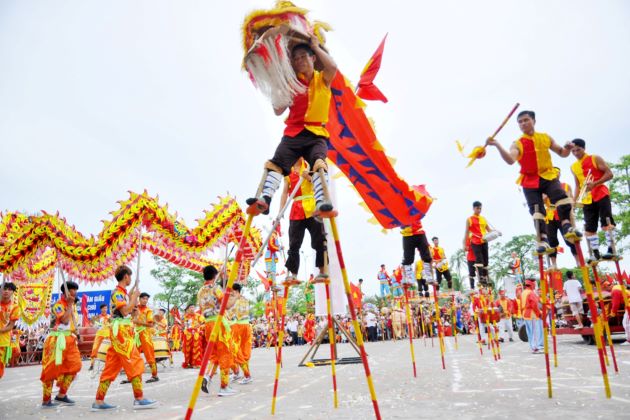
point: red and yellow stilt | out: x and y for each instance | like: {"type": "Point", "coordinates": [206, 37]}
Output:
{"type": "Point", "coordinates": [543, 287]}
{"type": "Point", "coordinates": [438, 321]}
{"type": "Point", "coordinates": [410, 331]}
{"type": "Point", "coordinates": [602, 305]}
{"type": "Point", "coordinates": [454, 321]}
{"type": "Point", "coordinates": [588, 288]}
{"type": "Point", "coordinates": [355, 323]}
{"type": "Point", "coordinates": [477, 325]}
{"type": "Point", "coordinates": [279, 351]}
{"type": "Point", "coordinates": [332, 340]}
{"type": "Point", "coordinates": [552, 306]}
{"type": "Point", "coordinates": [215, 331]}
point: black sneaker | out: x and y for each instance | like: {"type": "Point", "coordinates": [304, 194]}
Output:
{"type": "Point", "coordinates": [543, 247]}
{"type": "Point", "coordinates": [125, 381]}
{"type": "Point", "coordinates": [204, 385]}
{"type": "Point", "coordinates": [258, 206]}
{"type": "Point", "coordinates": [609, 255]}
{"type": "Point", "coordinates": [596, 255]}
{"type": "Point", "coordinates": [152, 379]}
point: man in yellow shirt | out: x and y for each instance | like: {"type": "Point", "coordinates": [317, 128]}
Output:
{"type": "Point", "coordinates": [305, 134]}
{"type": "Point", "coordinates": [538, 176]}
{"type": "Point", "coordinates": [144, 324]}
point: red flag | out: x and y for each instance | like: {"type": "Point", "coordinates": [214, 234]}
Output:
{"type": "Point", "coordinates": [357, 295]}
{"type": "Point", "coordinates": [264, 280]}
{"type": "Point", "coordinates": [366, 88]}
{"type": "Point", "coordinates": [84, 311]}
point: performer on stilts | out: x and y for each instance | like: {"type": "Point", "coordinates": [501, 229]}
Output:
{"type": "Point", "coordinates": [9, 315]}
{"type": "Point", "coordinates": [384, 281]}
{"type": "Point", "coordinates": [538, 176]}
{"type": "Point", "coordinates": [413, 237]}
{"type": "Point", "coordinates": [423, 287]}
{"type": "Point", "coordinates": [144, 324]}
{"type": "Point", "coordinates": [123, 353]}
{"type": "Point", "coordinates": [441, 263]}
{"type": "Point", "coordinates": [553, 226]}
{"type": "Point", "coordinates": [591, 174]}
{"type": "Point", "coordinates": [61, 360]}
{"type": "Point", "coordinates": [475, 234]}
{"type": "Point", "coordinates": [102, 333]}
{"type": "Point", "coordinates": [302, 219]}
{"type": "Point", "coordinates": [305, 134]}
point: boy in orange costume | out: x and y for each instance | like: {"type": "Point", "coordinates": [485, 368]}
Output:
{"type": "Point", "coordinates": [61, 360]}
{"type": "Point", "coordinates": [123, 353]}
{"type": "Point", "coordinates": [8, 316]}
{"type": "Point", "coordinates": [241, 334]}
{"type": "Point", "coordinates": [102, 322]}
{"type": "Point", "coordinates": [192, 338]}
{"type": "Point", "coordinates": [209, 299]}
{"type": "Point", "coordinates": [144, 334]}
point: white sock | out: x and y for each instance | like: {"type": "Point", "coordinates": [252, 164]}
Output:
{"type": "Point", "coordinates": [427, 271]}
{"type": "Point", "coordinates": [593, 241]}
{"type": "Point", "coordinates": [272, 183]}
{"type": "Point", "coordinates": [609, 237]}
{"type": "Point", "coordinates": [408, 273]}
{"type": "Point", "coordinates": [318, 188]}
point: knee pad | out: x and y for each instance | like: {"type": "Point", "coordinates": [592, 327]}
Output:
{"type": "Point", "coordinates": [270, 166]}
{"type": "Point", "coordinates": [320, 164]}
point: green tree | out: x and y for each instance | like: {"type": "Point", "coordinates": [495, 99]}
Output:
{"type": "Point", "coordinates": [458, 262]}
{"type": "Point", "coordinates": [179, 285]}
{"type": "Point", "coordinates": [501, 256]}
{"type": "Point", "coordinates": [620, 197]}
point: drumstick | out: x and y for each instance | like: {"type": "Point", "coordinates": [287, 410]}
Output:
{"type": "Point", "coordinates": [503, 123]}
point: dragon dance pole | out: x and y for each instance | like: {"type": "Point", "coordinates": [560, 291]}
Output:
{"type": "Point", "coordinates": [438, 320]}
{"type": "Point", "coordinates": [217, 325]}
{"type": "Point", "coordinates": [595, 320]}
{"type": "Point", "coordinates": [410, 329]}
{"type": "Point", "coordinates": [280, 342]}
{"type": "Point", "coordinates": [552, 307]}
{"type": "Point", "coordinates": [332, 340]}
{"type": "Point", "coordinates": [357, 329]}
{"type": "Point", "coordinates": [602, 305]}
{"type": "Point", "coordinates": [543, 286]}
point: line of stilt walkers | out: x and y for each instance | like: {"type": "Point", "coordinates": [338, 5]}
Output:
{"type": "Point", "coordinates": [600, 322]}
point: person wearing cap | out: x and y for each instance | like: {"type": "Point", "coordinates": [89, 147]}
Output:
{"type": "Point", "coordinates": [144, 324]}
{"type": "Point", "coordinates": [532, 316]}
{"type": "Point", "coordinates": [9, 315]}
{"type": "Point", "coordinates": [61, 360]}
{"type": "Point", "coordinates": [440, 262]}
{"type": "Point", "coordinates": [591, 173]}
{"type": "Point", "coordinates": [538, 176]}
{"type": "Point", "coordinates": [505, 323]}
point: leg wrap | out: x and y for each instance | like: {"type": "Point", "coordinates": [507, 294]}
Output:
{"type": "Point", "coordinates": [318, 188]}
{"type": "Point", "coordinates": [272, 183]}
{"type": "Point", "coordinates": [320, 164]}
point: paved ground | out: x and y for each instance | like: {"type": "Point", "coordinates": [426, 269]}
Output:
{"type": "Point", "coordinates": [472, 386]}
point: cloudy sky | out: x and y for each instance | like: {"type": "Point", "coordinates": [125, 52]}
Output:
{"type": "Point", "coordinates": [97, 98]}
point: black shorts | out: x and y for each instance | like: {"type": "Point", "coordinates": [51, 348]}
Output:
{"type": "Point", "coordinates": [601, 210]}
{"type": "Point", "coordinates": [553, 189]}
{"type": "Point", "coordinates": [306, 144]}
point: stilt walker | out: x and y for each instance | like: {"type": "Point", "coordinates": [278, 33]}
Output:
{"type": "Point", "coordinates": [477, 325]}
{"type": "Point", "coordinates": [410, 329]}
{"type": "Point", "coordinates": [493, 320]}
{"type": "Point", "coordinates": [488, 325]}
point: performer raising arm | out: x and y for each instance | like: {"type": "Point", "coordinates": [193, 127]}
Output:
{"type": "Point", "coordinates": [305, 134]}
{"type": "Point", "coordinates": [539, 176]}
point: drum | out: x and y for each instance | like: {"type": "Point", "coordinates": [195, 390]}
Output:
{"type": "Point", "coordinates": [160, 347]}
{"type": "Point", "coordinates": [102, 350]}
{"type": "Point", "coordinates": [442, 265]}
